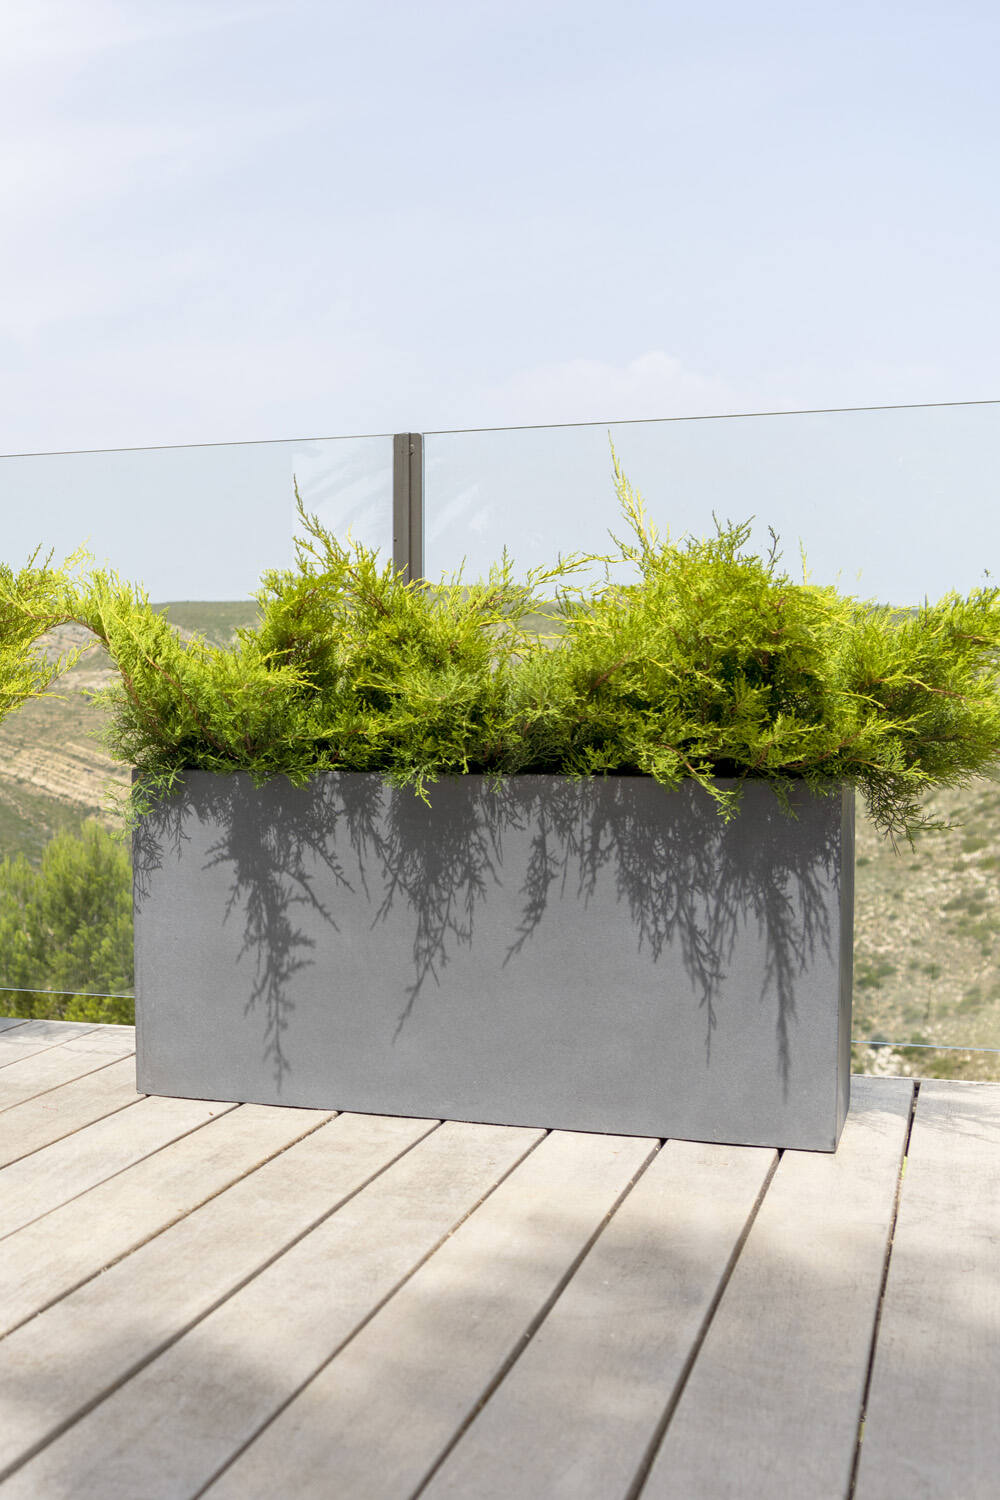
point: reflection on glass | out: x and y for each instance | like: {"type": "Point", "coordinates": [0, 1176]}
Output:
{"type": "Point", "coordinates": [347, 482]}
{"type": "Point", "coordinates": [196, 523]}
{"type": "Point", "coordinates": [891, 505]}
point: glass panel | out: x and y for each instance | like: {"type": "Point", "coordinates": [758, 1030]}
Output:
{"type": "Point", "coordinates": [927, 939]}
{"type": "Point", "coordinates": [196, 523]}
{"type": "Point", "coordinates": [919, 1061]}
{"type": "Point", "coordinates": [194, 526]}
{"type": "Point", "coordinates": [891, 505]}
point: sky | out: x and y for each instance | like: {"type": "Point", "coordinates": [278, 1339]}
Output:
{"type": "Point", "coordinates": [226, 222]}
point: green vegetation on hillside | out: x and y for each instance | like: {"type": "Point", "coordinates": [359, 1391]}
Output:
{"type": "Point", "coordinates": [28, 820]}
{"type": "Point", "coordinates": [66, 926]}
{"type": "Point", "coordinates": [217, 622]}
{"type": "Point", "coordinates": [927, 941]}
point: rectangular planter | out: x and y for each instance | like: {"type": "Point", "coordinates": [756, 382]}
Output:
{"type": "Point", "coordinates": [601, 955]}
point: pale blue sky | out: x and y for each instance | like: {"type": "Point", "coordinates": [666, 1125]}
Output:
{"type": "Point", "coordinates": [229, 220]}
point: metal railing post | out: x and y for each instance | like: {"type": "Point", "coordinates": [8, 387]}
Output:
{"type": "Point", "coordinates": [408, 503]}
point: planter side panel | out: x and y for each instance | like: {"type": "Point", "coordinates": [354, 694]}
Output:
{"type": "Point", "coordinates": [601, 956]}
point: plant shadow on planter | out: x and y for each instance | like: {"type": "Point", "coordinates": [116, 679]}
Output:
{"type": "Point", "coordinates": [347, 869]}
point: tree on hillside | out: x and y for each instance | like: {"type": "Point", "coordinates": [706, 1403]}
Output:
{"type": "Point", "coordinates": [68, 926]}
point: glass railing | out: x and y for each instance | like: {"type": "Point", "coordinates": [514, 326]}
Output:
{"type": "Point", "coordinates": [196, 522]}
{"type": "Point", "coordinates": [892, 504]}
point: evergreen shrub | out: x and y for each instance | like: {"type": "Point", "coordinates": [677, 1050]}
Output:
{"type": "Point", "coordinates": [712, 663]}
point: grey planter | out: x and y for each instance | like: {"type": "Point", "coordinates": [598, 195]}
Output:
{"type": "Point", "coordinates": [601, 956]}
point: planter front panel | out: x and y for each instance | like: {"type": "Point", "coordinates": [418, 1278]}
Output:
{"type": "Point", "coordinates": [601, 956]}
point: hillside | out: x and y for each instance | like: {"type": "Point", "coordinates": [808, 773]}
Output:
{"type": "Point", "coordinates": [53, 772]}
{"type": "Point", "coordinates": [927, 938]}
{"type": "Point", "coordinates": [216, 621]}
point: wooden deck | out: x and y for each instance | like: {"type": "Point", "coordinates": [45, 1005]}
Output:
{"type": "Point", "coordinates": [239, 1301]}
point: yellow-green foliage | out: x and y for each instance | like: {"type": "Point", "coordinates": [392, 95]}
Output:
{"type": "Point", "coordinates": [717, 664]}
{"type": "Point", "coordinates": [30, 601]}
{"type": "Point", "coordinates": [712, 663]}
{"type": "Point", "coordinates": [350, 667]}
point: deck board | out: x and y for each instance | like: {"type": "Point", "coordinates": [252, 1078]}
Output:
{"type": "Point", "coordinates": [51, 1116]}
{"type": "Point", "coordinates": [117, 1040]}
{"type": "Point", "coordinates": [935, 1385]}
{"type": "Point", "coordinates": [280, 1300]}
{"type": "Point", "coordinates": [435, 1349]}
{"type": "Point", "coordinates": [574, 1417]}
{"type": "Point", "coordinates": [88, 1343]}
{"type": "Point", "coordinates": [28, 1070]}
{"type": "Point", "coordinates": [25, 1037]}
{"type": "Point", "coordinates": [788, 1347]}
{"type": "Point", "coordinates": [50, 1257]}
{"type": "Point", "coordinates": [172, 1427]}
{"type": "Point", "coordinates": [58, 1173]}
